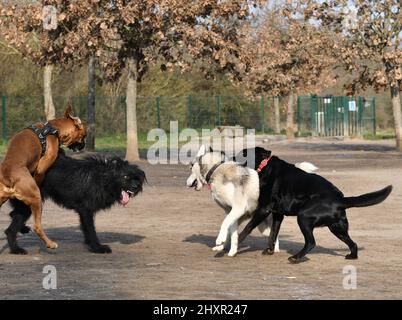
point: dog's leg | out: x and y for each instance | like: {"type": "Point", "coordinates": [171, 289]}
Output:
{"type": "Point", "coordinates": [230, 219]}
{"type": "Point", "coordinates": [273, 237]}
{"type": "Point", "coordinates": [47, 160]}
{"type": "Point", "coordinates": [259, 215]}
{"type": "Point", "coordinates": [36, 208]}
{"type": "Point", "coordinates": [11, 232]}
{"type": "Point", "coordinates": [90, 236]}
{"type": "Point", "coordinates": [265, 228]}
{"type": "Point", "coordinates": [29, 193]}
{"type": "Point", "coordinates": [20, 208]}
{"type": "Point", "coordinates": [306, 226]}
{"type": "Point", "coordinates": [340, 230]}
{"type": "Point", "coordinates": [17, 223]}
{"type": "Point", "coordinates": [19, 216]}
{"type": "Point", "coordinates": [234, 239]}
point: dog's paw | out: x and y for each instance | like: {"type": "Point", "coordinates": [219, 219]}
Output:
{"type": "Point", "coordinates": [102, 248]}
{"type": "Point", "coordinates": [351, 256]}
{"type": "Point", "coordinates": [52, 245]}
{"type": "Point", "coordinates": [219, 242]}
{"type": "Point", "coordinates": [296, 260]}
{"type": "Point", "coordinates": [232, 253]}
{"type": "Point", "coordinates": [221, 239]}
{"type": "Point", "coordinates": [18, 250]}
{"type": "Point", "coordinates": [268, 252]}
{"type": "Point", "coordinates": [218, 248]}
{"type": "Point", "coordinates": [25, 230]}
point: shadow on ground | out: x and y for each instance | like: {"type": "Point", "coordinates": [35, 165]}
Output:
{"type": "Point", "coordinates": [253, 243]}
{"type": "Point", "coordinates": [73, 235]}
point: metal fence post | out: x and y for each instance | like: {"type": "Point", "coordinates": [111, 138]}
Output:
{"type": "Point", "coordinates": [346, 116]}
{"type": "Point", "coordinates": [313, 110]}
{"type": "Point", "coordinates": [374, 118]}
{"type": "Point", "coordinates": [262, 105]}
{"type": "Point", "coordinates": [190, 111]}
{"type": "Point", "coordinates": [158, 112]}
{"type": "Point", "coordinates": [298, 116]}
{"type": "Point", "coordinates": [4, 117]}
{"type": "Point", "coordinates": [360, 115]}
{"type": "Point", "coordinates": [218, 109]}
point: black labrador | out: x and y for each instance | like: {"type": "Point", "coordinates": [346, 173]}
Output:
{"type": "Point", "coordinates": [289, 191]}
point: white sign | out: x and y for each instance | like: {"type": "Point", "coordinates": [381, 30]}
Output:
{"type": "Point", "coordinates": [352, 106]}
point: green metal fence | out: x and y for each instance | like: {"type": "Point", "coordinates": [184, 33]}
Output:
{"type": "Point", "coordinates": [336, 116]}
{"type": "Point", "coordinates": [321, 116]}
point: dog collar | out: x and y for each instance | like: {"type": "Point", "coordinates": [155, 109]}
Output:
{"type": "Point", "coordinates": [43, 133]}
{"type": "Point", "coordinates": [211, 172]}
{"type": "Point", "coordinates": [263, 164]}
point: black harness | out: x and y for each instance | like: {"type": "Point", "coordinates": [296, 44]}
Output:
{"type": "Point", "coordinates": [43, 133]}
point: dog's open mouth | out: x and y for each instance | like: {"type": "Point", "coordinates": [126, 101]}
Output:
{"type": "Point", "coordinates": [125, 197]}
{"type": "Point", "coordinates": [77, 146]}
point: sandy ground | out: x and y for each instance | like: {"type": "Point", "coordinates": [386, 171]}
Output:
{"type": "Point", "coordinates": [162, 241]}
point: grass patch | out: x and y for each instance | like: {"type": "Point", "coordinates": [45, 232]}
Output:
{"type": "Point", "coordinates": [117, 143]}
{"type": "Point", "coordinates": [381, 135]}
{"type": "Point", "coordinates": [3, 149]}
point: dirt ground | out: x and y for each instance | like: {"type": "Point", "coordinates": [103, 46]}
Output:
{"type": "Point", "coordinates": [162, 241]}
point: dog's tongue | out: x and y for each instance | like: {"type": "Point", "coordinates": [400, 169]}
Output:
{"type": "Point", "coordinates": [125, 198]}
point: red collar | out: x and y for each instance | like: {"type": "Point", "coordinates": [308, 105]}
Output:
{"type": "Point", "coordinates": [263, 163]}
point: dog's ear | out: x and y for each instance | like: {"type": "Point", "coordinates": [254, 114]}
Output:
{"type": "Point", "coordinates": [202, 151]}
{"type": "Point", "coordinates": [68, 114]}
{"type": "Point", "coordinates": [77, 122]}
{"type": "Point", "coordinates": [264, 152]}
{"type": "Point", "coordinates": [69, 110]}
{"type": "Point", "coordinates": [117, 161]}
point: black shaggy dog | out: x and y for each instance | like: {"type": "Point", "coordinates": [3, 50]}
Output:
{"type": "Point", "coordinates": [287, 190]}
{"type": "Point", "coordinates": [85, 185]}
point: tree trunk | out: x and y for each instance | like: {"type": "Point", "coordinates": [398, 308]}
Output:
{"type": "Point", "coordinates": [396, 108]}
{"type": "Point", "coordinates": [277, 116]}
{"type": "Point", "coordinates": [290, 133]}
{"type": "Point", "coordinates": [131, 107]}
{"type": "Point", "coordinates": [90, 143]}
{"type": "Point", "coordinates": [47, 92]}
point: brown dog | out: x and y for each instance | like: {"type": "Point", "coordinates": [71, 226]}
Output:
{"type": "Point", "coordinates": [27, 160]}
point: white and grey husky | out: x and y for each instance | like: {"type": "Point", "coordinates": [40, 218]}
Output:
{"type": "Point", "coordinates": [234, 187]}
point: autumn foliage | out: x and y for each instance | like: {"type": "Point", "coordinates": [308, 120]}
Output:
{"type": "Point", "coordinates": [288, 56]}
{"type": "Point", "coordinates": [291, 48]}
{"type": "Point", "coordinates": [371, 46]}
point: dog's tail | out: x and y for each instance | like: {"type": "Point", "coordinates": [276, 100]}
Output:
{"type": "Point", "coordinates": [367, 199]}
{"type": "Point", "coordinates": [306, 166]}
